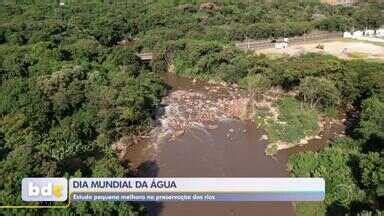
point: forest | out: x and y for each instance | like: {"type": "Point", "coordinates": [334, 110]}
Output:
{"type": "Point", "coordinates": [71, 85]}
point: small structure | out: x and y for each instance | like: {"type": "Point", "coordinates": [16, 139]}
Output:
{"type": "Point", "coordinates": [358, 34]}
{"type": "Point", "coordinates": [347, 35]}
{"type": "Point", "coordinates": [369, 32]}
{"type": "Point", "coordinates": [281, 44]}
{"type": "Point", "coordinates": [320, 46]}
{"type": "Point", "coordinates": [145, 56]}
{"type": "Point", "coordinates": [340, 2]}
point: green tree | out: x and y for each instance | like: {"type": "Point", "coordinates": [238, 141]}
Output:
{"type": "Point", "coordinates": [369, 16]}
{"type": "Point", "coordinates": [255, 84]}
{"type": "Point", "coordinates": [372, 120]}
{"type": "Point", "coordinates": [110, 29]}
{"type": "Point", "coordinates": [319, 92]}
{"type": "Point", "coordinates": [372, 174]}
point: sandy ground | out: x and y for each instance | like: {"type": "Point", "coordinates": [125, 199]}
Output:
{"type": "Point", "coordinates": [341, 49]}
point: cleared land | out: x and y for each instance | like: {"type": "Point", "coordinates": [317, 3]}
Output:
{"type": "Point", "coordinates": [341, 49]}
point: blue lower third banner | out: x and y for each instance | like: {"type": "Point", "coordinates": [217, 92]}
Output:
{"type": "Point", "coordinates": [196, 189]}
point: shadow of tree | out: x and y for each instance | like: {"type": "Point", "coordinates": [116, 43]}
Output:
{"type": "Point", "coordinates": [375, 143]}
{"type": "Point", "coordinates": [358, 207]}
{"type": "Point", "coordinates": [3, 150]}
{"type": "Point", "coordinates": [353, 163]}
{"type": "Point", "coordinates": [149, 169]}
{"type": "Point", "coordinates": [336, 209]}
{"type": "Point", "coordinates": [351, 123]}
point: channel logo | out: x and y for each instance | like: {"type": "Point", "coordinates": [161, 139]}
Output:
{"type": "Point", "coordinates": [44, 189]}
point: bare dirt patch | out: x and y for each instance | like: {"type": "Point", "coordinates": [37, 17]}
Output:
{"type": "Point", "coordinates": [340, 49]}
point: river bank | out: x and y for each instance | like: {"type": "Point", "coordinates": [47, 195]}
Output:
{"type": "Point", "coordinates": [204, 130]}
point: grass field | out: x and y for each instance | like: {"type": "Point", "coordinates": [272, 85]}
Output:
{"type": "Point", "coordinates": [294, 122]}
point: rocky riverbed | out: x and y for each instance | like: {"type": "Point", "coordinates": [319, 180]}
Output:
{"type": "Point", "coordinates": [198, 104]}
{"type": "Point", "coordinates": [205, 130]}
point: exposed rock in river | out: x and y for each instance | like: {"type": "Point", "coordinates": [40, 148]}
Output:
{"type": "Point", "coordinates": [189, 108]}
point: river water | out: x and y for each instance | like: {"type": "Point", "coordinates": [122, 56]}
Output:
{"type": "Point", "coordinates": [232, 148]}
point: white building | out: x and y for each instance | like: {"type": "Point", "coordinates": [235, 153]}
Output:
{"type": "Point", "coordinates": [369, 32]}
{"type": "Point", "coordinates": [358, 34]}
{"type": "Point", "coordinates": [347, 35]}
{"type": "Point", "coordinates": [380, 32]}
{"type": "Point", "coordinates": [340, 2]}
{"type": "Point", "coordinates": [283, 44]}
{"type": "Point", "coordinates": [367, 35]}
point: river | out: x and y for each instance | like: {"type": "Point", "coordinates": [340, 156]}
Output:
{"type": "Point", "coordinates": [228, 148]}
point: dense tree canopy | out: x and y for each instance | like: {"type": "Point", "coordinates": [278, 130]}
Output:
{"type": "Point", "coordinates": [319, 92]}
{"type": "Point", "coordinates": [358, 161]}
{"type": "Point", "coordinates": [66, 96]}
{"type": "Point", "coordinates": [71, 84]}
